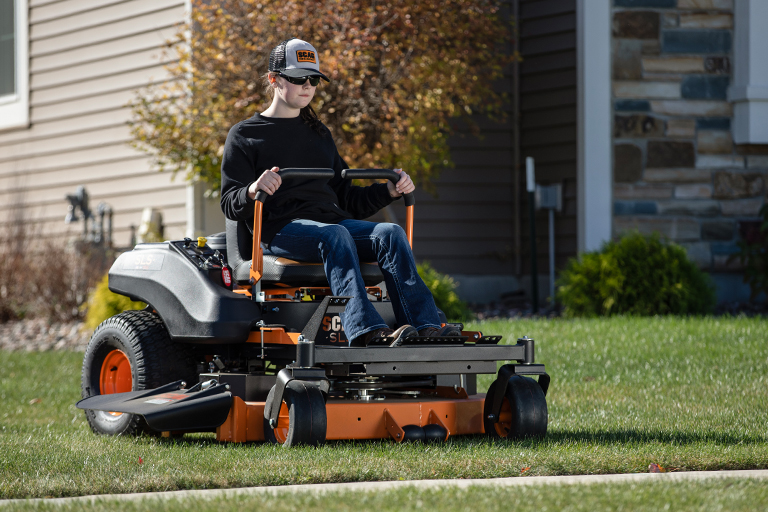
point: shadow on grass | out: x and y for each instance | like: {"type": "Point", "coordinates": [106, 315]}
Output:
{"type": "Point", "coordinates": [554, 437]}
{"type": "Point", "coordinates": [630, 436]}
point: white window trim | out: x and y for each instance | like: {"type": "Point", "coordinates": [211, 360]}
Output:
{"type": "Point", "coordinates": [594, 138]}
{"type": "Point", "coordinates": [749, 89]}
{"type": "Point", "coordinates": [14, 108]}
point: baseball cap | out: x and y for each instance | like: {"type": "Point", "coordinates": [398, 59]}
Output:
{"type": "Point", "coordinates": [295, 58]}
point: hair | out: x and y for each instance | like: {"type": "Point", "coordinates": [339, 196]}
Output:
{"type": "Point", "coordinates": [307, 114]}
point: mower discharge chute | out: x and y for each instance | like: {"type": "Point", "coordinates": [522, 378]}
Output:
{"type": "Point", "coordinates": [259, 342]}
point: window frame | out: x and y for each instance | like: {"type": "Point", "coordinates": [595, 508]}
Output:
{"type": "Point", "coordinates": [14, 108]}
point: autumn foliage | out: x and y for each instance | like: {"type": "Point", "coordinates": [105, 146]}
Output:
{"type": "Point", "coordinates": [400, 70]}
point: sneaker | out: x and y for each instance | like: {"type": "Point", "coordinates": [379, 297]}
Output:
{"type": "Point", "coordinates": [397, 336]}
{"type": "Point", "coordinates": [435, 332]}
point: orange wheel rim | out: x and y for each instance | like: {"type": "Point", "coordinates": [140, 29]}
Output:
{"type": "Point", "coordinates": [283, 423]}
{"type": "Point", "coordinates": [504, 425]}
{"type": "Point", "coordinates": [115, 375]}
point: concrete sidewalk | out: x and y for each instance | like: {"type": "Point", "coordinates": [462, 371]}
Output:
{"type": "Point", "coordinates": [759, 474]}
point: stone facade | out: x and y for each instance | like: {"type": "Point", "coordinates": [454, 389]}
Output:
{"type": "Point", "coordinates": [676, 168]}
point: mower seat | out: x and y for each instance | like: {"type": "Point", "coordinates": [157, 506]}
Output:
{"type": "Point", "coordinates": [281, 270]}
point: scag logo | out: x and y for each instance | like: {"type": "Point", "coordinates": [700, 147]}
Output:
{"type": "Point", "coordinates": [306, 56]}
{"type": "Point", "coordinates": [335, 331]}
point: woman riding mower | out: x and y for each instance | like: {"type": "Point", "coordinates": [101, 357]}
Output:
{"type": "Point", "coordinates": [320, 221]}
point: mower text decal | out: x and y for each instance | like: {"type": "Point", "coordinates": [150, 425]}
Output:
{"type": "Point", "coordinates": [135, 260]}
{"type": "Point", "coordinates": [164, 398]}
{"type": "Point", "coordinates": [333, 331]}
{"type": "Point", "coordinates": [306, 56]}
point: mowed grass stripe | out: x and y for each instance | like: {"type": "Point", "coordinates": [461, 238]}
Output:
{"type": "Point", "coordinates": [685, 393]}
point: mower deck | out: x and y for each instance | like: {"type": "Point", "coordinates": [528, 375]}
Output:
{"type": "Point", "coordinates": [365, 420]}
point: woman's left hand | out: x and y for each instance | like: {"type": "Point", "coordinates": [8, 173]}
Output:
{"type": "Point", "coordinates": [403, 186]}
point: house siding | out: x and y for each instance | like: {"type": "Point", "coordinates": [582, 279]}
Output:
{"type": "Point", "coordinates": [548, 121]}
{"type": "Point", "coordinates": [467, 227]}
{"type": "Point", "coordinates": [87, 59]}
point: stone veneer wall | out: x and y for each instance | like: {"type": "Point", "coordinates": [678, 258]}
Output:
{"type": "Point", "coordinates": [676, 168]}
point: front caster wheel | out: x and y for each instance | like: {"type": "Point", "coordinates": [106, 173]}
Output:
{"type": "Point", "coordinates": [302, 419]}
{"type": "Point", "coordinates": [523, 410]}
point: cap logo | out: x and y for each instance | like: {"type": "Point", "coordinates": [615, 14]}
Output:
{"type": "Point", "coordinates": [306, 56]}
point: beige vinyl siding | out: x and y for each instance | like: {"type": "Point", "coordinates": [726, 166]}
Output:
{"type": "Point", "coordinates": [87, 59]}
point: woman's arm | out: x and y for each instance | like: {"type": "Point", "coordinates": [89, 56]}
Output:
{"type": "Point", "coordinates": [237, 173]}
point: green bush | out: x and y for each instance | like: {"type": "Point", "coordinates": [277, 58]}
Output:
{"type": "Point", "coordinates": [638, 275]}
{"type": "Point", "coordinates": [443, 289]}
{"type": "Point", "coordinates": [102, 304]}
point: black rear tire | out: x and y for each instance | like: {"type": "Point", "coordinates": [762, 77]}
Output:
{"type": "Point", "coordinates": [154, 360]}
{"type": "Point", "coordinates": [307, 420]}
{"type": "Point", "coordinates": [524, 411]}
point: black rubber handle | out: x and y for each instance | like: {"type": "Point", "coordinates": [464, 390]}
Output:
{"type": "Point", "coordinates": [377, 174]}
{"type": "Point", "coordinates": [296, 172]}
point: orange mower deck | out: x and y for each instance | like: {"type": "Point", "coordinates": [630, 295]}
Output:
{"type": "Point", "coordinates": [357, 420]}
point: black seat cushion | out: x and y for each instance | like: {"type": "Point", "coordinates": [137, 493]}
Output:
{"type": "Point", "coordinates": [281, 270]}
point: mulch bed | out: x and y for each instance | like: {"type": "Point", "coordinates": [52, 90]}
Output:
{"type": "Point", "coordinates": [39, 335]}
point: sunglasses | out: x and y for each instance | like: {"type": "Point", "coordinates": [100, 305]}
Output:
{"type": "Point", "coordinates": [313, 80]}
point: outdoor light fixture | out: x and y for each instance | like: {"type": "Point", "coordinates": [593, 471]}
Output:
{"type": "Point", "coordinates": [78, 202]}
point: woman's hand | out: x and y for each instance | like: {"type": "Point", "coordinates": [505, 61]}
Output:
{"type": "Point", "coordinates": [404, 185]}
{"type": "Point", "coordinates": [269, 182]}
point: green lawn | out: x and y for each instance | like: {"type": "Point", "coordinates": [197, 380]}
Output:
{"type": "Point", "coordinates": [734, 495]}
{"type": "Point", "coordinates": [688, 394]}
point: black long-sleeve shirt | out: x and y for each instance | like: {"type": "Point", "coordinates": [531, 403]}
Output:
{"type": "Point", "coordinates": [260, 143]}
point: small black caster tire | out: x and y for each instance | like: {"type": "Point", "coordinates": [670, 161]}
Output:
{"type": "Point", "coordinates": [434, 433]}
{"type": "Point", "coordinates": [413, 434]}
{"type": "Point", "coordinates": [304, 409]}
{"type": "Point", "coordinates": [523, 411]}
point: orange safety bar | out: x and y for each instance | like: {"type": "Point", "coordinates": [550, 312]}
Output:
{"type": "Point", "coordinates": [409, 224]}
{"type": "Point", "coordinates": [257, 256]}
{"type": "Point", "coordinates": [348, 419]}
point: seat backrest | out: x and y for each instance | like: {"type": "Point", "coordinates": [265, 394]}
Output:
{"type": "Point", "coordinates": [239, 248]}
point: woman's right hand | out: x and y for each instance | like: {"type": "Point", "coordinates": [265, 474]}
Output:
{"type": "Point", "coordinates": [269, 182]}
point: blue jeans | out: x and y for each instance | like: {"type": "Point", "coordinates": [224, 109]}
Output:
{"type": "Point", "coordinates": [340, 247]}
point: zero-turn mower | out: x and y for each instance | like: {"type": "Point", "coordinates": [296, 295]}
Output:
{"type": "Point", "coordinates": [258, 341]}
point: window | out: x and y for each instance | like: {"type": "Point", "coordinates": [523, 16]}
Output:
{"type": "Point", "coordinates": [14, 64]}
{"type": "Point", "coordinates": [7, 48]}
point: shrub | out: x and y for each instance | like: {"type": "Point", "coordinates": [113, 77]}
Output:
{"type": "Point", "coordinates": [59, 295]}
{"type": "Point", "coordinates": [13, 260]}
{"type": "Point", "coordinates": [45, 278]}
{"type": "Point", "coordinates": [639, 275]}
{"type": "Point", "coordinates": [443, 289]}
{"type": "Point", "coordinates": [102, 304]}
